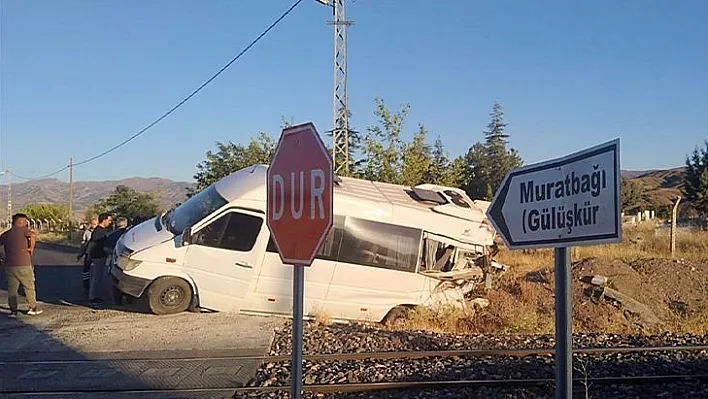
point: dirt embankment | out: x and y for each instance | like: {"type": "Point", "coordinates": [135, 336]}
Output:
{"type": "Point", "coordinates": [641, 296]}
{"type": "Point", "coordinates": [675, 291]}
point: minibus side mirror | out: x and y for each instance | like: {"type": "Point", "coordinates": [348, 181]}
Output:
{"type": "Point", "coordinates": [187, 236]}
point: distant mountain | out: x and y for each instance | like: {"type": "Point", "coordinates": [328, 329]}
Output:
{"type": "Point", "coordinates": [663, 186]}
{"type": "Point", "coordinates": [86, 193]}
{"type": "Point", "coordinates": [631, 174]}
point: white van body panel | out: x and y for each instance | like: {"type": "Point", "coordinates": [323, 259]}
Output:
{"type": "Point", "coordinates": [225, 276]}
{"type": "Point", "coordinates": [144, 235]}
{"type": "Point", "coordinates": [273, 293]}
{"type": "Point", "coordinates": [256, 281]}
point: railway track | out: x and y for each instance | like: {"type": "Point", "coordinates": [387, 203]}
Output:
{"type": "Point", "coordinates": [404, 355]}
{"type": "Point", "coordinates": [280, 389]}
{"type": "Point", "coordinates": [385, 386]}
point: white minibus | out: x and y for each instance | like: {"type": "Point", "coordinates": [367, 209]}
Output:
{"type": "Point", "coordinates": [391, 247]}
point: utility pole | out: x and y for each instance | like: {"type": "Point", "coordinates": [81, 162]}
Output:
{"type": "Point", "coordinates": [9, 196]}
{"type": "Point", "coordinates": [71, 193]}
{"type": "Point", "coordinates": [340, 109]}
{"type": "Point", "coordinates": [674, 212]}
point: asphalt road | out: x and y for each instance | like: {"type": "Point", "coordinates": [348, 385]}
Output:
{"type": "Point", "coordinates": [74, 350]}
{"type": "Point", "coordinates": [57, 274]}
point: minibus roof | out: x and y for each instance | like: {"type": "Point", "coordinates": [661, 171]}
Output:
{"type": "Point", "coordinates": [428, 207]}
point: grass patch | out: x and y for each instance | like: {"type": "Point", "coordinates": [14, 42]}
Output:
{"type": "Point", "coordinates": [520, 307]}
{"type": "Point", "coordinates": [57, 238]}
{"type": "Point", "coordinates": [639, 241]}
{"type": "Point", "coordinates": [442, 319]}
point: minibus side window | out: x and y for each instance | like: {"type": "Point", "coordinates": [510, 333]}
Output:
{"type": "Point", "coordinates": [242, 232]}
{"type": "Point", "coordinates": [330, 246]}
{"type": "Point", "coordinates": [234, 231]}
{"type": "Point", "coordinates": [210, 235]}
{"type": "Point", "coordinates": [383, 245]}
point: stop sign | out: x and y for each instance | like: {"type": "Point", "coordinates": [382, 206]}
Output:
{"type": "Point", "coordinates": [300, 194]}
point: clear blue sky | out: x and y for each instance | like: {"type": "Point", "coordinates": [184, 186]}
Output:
{"type": "Point", "coordinates": [80, 76]}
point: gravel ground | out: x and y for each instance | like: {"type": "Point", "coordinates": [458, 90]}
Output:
{"type": "Point", "coordinates": [357, 338]}
{"type": "Point", "coordinates": [82, 329]}
{"type": "Point", "coordinates": [682, 390]}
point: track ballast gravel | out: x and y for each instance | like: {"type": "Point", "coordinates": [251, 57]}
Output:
{"type": "Point", "coordinates": [362, 338]}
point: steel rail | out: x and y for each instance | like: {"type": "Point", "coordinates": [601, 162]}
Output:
{"type": "Point", "coordinates": [387, 355]}
{"type": "Point", "coordinates": [387, 386]}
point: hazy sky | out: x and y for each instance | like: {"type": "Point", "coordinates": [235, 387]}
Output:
{"type": "Point", "coordinates": [80, 76]}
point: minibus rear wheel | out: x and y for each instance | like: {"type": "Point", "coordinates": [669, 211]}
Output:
{"type": "Point", "coordinates": [397, 315]}
{"type": "Point", "coordinates": [168, 295]}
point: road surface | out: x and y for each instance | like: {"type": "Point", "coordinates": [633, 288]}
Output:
{"type": "Point", "coordinates": [72, 347]}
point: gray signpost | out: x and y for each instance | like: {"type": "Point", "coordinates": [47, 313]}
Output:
{"type": "Point", "coordinates": [564, 202]}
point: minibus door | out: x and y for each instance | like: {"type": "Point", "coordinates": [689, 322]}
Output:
{"type": "Point", "coordinates": [222, 256]}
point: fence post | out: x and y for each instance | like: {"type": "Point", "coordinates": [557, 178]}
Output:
{"type": "Point", "coordinates": [674, 211]}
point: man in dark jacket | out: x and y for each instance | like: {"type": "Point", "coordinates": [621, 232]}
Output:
{"type": "Point", "coordinates": [112, 239]}
{"type": "Point", "coordinates": [83, 254]}
{"type": "Point", "coordinates": [97, 251]}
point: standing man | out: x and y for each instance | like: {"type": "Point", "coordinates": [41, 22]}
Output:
{"type": "Point", "coordinates": [112, 240]}
{"type": "Point", "coordinates": [97, 251]}
{"type": "Point", "coordinates": [19, 244]}
{"type": "Point", "coordinates": [86, 272]}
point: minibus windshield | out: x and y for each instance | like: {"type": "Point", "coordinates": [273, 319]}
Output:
{"type": "Point", "coordinates": [193, 210]}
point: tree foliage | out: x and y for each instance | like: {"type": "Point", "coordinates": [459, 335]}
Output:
{"type": "Point", "coordinates": [46, 212]}
{"type": "Point", "coordinates": [632, 194]}
{"type": "Point", "coordinates": [128, 202]}
{"type": "Point", "coordinates": [383, 153]}
{"type": "Point", "coordinates": [696, 181]}
{"type": "Point", "coordinates": [382, 145]}
{"type": "Point", "coordinates": [487, 163]}
{"type": "Point", "coordinates": [415, 160]}
{"type": "Point", "coordinates": [230, 157]}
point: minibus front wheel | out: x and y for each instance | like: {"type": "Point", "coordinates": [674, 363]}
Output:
{"type": "Point", "coordinates": [168, 295]}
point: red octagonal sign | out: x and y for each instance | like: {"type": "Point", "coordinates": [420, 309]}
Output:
{"type": "Point", "coordinates": [300, 194]}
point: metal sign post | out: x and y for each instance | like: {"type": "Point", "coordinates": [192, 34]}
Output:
{"type": "Point", "coordinates": [573, 200]}
{"type": "Point", "coordinates": [298, 299]}
{"type": "Point", "coordinates": [300, 195]}
{"type": "Point", "coordinates": [564, 325]}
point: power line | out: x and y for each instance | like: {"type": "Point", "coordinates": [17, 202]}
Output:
{"type": "Point", "coordinates": [38, 177]}
{"type": "Point", "coordinates": [176, 106]}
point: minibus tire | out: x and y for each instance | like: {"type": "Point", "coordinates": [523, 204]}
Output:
{"type": "Point", "coordinates": [396, 314]}
{"type": "Point", "coordinates": [178, 292]}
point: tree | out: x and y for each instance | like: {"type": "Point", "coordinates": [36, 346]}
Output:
{"type": "Point", "coordinates": [476, 172]}
{"type": "Point", "coordinates": [632, 194]}
{"type": "Point", "coordinates": [502, 160]}
{"type": "Point", "coordinates": [382, 145]}
{"type": "Point", "coordinates": [455, 173]}
{"type": "Point", "coordinates": [487, 163]}
{"type": "Point", "coordinates": [415, 160]}
{"type": "Point", "coordinates": [387, 157]}
{"type": "Point", "coordinates": [696, 182]}
{"type": "Point", "coordinates": [46, 211]}
{"type": "Point", "coordinates": [230, 157]}
{"type": "Point", "coordinates": [130, 203]}
{"type": "Point", "coordinates": [442, 171]}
